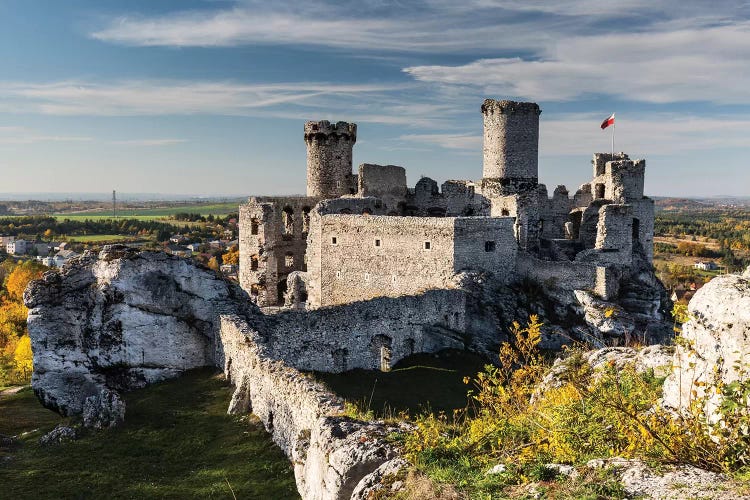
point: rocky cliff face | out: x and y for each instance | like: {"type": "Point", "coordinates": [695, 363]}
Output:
{"type": "Point", "coordinates": [716, 345]}
{"type": "Point", "coordinates": [116, 321]}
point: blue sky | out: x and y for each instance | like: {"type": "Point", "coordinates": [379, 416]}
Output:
{"type": "Point", "coordinates": [209, 97]}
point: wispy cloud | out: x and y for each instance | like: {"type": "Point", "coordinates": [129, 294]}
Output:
{"type": "Point", "coordinates": [662, 66]}
{"type": "Point", "coordinates": [647, 134]}
{"type": "Point", "coordinates": [21, 135]}
{"type": "Point", "coordinates": [149, 97]}
{"type": "Point", "coordinates": [149, 142]}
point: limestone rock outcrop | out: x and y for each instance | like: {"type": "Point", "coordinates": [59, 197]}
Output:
{"type": "Point", "coordinates": [716, 343]}
{"type": "Point", "coordinates": [116, 321]}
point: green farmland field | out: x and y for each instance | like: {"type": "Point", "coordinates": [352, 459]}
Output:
{"type": "Point", "coordinates": [101, 238]}
{"type": "Point", "coordinates": [205, 209]}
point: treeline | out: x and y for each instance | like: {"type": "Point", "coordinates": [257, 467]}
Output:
{"type": "Point", "coordinates": [37, 227]}
{"type": "Point", "coordinates": [191, 217]}
{"type": "Point", "coordinates": [730, 228]}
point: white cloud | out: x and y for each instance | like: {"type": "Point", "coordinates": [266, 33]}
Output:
{"type": "Point", "coordinates": [21, 135]}
{"type": "Point", "coordinates": [147, 97]}
{"type": "Point", "coordinates": [580, 135]}
{"type": "Point", "coordinates": [149, 142]}
{"type": "Point", "coordinates": [705, 64]}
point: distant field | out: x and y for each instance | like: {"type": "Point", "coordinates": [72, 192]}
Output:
{"type": "Point", "coordinates": [220, 209]}
{"type": "Point", "coordinates": [99, 238]}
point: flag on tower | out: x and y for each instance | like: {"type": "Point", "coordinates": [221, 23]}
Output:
{"type": "Point", "coordinates": [609, 121]}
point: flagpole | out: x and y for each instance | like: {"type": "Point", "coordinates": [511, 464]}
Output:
{"type": "Point", "coordinates": [614, 124]}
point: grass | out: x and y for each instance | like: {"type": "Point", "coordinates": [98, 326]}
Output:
{"type": "Point", "coordinates": [100, 238]}
{"type": "Point", "coordinates": [205, 209]}
{"type": "Point", "coordinates": [177, 442]}
{"type": "Point", "coordinates": [419, 383]}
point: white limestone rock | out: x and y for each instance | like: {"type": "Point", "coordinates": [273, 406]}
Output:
{"type": "Point", "coordinates": [104, 410]}
{"type": "Point", "coordinates": [718, 335]}
{"type": "Point", "coordinates": [120, 320]}
{"type": "Point", "coordinates": [669, 482]}
{"type": "Point", "coordinates": [656, 357]}
{"type": "Point", "coordinates": [60, 434]}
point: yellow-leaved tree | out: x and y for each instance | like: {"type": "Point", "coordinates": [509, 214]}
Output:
{"type": "Point", "coordinates": [20, 277]}
{"type": "Point", "coordinates": [232, 256]}
{"type": "Point", "coordinates": [23, 358]}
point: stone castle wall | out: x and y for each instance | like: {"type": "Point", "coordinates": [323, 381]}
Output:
{"type": "Point", "coordinates": [345, 337]}
{"type": "Point", "coordinates": [359, 258]}
{"type": "Point", "coordinates": [329, 158]}
{"type": "Point", "coordinates": [273, 244]}
{"type": "Point", "coordinates": [333, 456]}
{"type": "Point", "coordinates": [511, 145]}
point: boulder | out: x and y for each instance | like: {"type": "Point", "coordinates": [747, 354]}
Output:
{"type": "Point", "coordinates": [715, 344]}
{"type": "Point", "coordinates": [104, 410]}
{"type": "Point", "coordinates": [60, 434]}
{"type": "Point", "coordinates": [120, 320]}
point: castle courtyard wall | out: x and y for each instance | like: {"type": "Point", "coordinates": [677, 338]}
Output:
{"type": "Point", "coordinates": [353, 258]}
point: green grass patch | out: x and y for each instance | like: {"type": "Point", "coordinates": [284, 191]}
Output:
{"type": "Point", "coordinates": [177, 442]}
{"type": "Point", "coordinates": [21, 412]}
{"type": "Point", "coordinates": [103, 238]}
{"type": "Point", "coordinates": [156, 213]}
{"type": "Point", "coordinates": [423, 382]}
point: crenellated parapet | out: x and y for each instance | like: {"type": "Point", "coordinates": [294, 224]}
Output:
{"type": "Point", "coordinates": [323, 130]}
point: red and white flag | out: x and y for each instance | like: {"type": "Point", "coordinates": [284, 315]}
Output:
{"type": "Point", "coordinates": [609, 121]}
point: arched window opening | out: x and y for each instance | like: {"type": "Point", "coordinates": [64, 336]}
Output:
{"type": "Point", "coordinates": [599, 191]}
{"type": "Point", "coordinates": [505, 212]}
{"type": "Point", "coordinates": [306, 219]}
{"type": "Point", "coordinates": [287, 221]}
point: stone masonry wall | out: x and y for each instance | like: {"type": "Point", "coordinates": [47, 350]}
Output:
{"type": "Point", "coordinates": [279, 247]}
{"type": "Point", "coordinates": [345, 337]}
{"type": "Point", "coordinates": [329, 158]}
{"type": "Point", "coordinates": [334, 457]}
{"type": "Point", "coordinates": [511, 144]}
{"type": "Point", "coordinates": [355, 258]}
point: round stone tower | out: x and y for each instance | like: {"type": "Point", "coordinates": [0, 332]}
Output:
{"type": "Point", "coordinates": [511, 145]}
{"type": "Point", "coordinates": [329, 157]}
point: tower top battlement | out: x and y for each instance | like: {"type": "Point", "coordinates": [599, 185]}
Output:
{"type": "Point", "coordinates": [323, 129]}
{"type": "Point", "coordinates": [510, 107]}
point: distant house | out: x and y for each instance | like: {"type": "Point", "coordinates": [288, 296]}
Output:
{"type": "Point", "coordinates": [177, 239]}
{"type": "Point", "coordinates": [193, 247]}
{"type": "Point", "coordinates": [706, 266]}
{"type": "Point", "coordinates": [4, 240]}
{"type": "Point", "coordinates": [48, 261]}
{"type": "Point", "coordinates": [42, 248]}
{"type": "Point", "coordinates": [681, 295]}
{"type": "Point", "coordinates": [179, 250]}
{"type": "Point", "coordinates": [229, 270]}
{"type": "Point", "coordinates": [63, 256]}
{"type": "Point", "coordinates": [17, 247]}
{"type": "Point", "coordinates": [216, 244]}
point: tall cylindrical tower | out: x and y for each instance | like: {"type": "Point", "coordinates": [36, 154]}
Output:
{"type": "Point", "coordinates": [329, 157]}
{"type": "Point", "coordinates": [511, 145]}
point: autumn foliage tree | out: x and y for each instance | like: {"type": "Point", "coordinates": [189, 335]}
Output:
{"type": "Point", "coordinates": [15, 344]}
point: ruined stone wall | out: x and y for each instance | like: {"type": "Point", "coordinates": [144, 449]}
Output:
{"type": "Point", "coordinates": [334, 457]}
{"type": "Point", "coordinates": [614, 235]}
{"type": "Point", "coordinates": [350, 267]}
{"type": "Point", "coordinates": [329, 158]}
{"type": "Point", "coordinates": [355, 258]}
{"type": "Point", "coordinates": [561, 274]}
{"type": "Point", "coordinates": [387, 182]}
{"type": "Point", "coordinates": [455, 198]}
{"type": "Point", "coordinates": [336, 339]}
{"type": "Point", "coordinates": [511, 146]}
{"type": "Point", "coordinates": [278, 248]}
{"type": "Point", "coordinates": [643, 217]}
{"type": "Point", "coordinates": [554, 212]}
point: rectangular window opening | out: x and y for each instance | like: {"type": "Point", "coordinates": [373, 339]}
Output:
{"type": "Point", "coordinates": [377, 242]}
{"type": "Point", "coordinates": [334, 240]}
{"type": "Point", "coordinates": [427, 245]}
{"type": "Point", "coordinates": [489, 246]}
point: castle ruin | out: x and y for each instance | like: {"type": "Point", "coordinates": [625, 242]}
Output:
{"type": "Point", "coordinates": [355, 237]}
